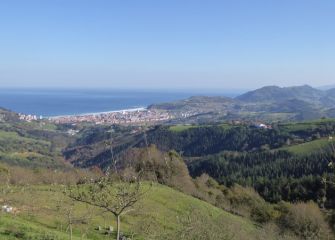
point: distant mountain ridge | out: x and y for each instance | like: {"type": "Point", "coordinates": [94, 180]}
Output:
{"type": "Point", "coordinates": [274, 93]}
{"type": "Point", "coordinates": [327, 87]}
{"type": "Point", "coordinates": [271, 103]}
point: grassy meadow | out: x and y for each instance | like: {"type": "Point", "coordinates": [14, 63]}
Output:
{"type": "Point", "coordinates": [42, 214]}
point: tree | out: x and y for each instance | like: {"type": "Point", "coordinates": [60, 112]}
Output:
{"type": "Point", "coordinates": [66, 207]}
{"type": "Point", "coordinates": [5, 179]}
{"type": "Point", "coordinates": [112, 194]}
{"type": "Point", "coordinates": [117, 192]}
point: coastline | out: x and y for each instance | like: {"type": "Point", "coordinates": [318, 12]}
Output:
{"type": "Point", "coordinates": [100, 113]}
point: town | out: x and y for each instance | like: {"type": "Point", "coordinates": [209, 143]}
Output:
{"type": "Point", "coordinates": [135, 116]}
{"type": "Point", "coordinates": [131, 116]}
{"type": "Point", "coordinates": [29, 117]}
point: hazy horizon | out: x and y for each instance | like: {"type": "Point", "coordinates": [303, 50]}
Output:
{"type": "Point", "coordinates": [196, 45]}
{"type": "Point", "coordinates": [218, 91]}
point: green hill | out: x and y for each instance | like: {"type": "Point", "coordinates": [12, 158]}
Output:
{"type": "Point", "coordinates": [162, 213]}
{"type": "Point", "coordinates": [311, 147]}
{"type": "Point", "coordinates": [277, 94]}
{"type": "Point", "coordinates": [31, 144]}
{"type": "Point", "coordinates": [269, 103]}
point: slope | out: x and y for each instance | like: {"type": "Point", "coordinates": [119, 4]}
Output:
{"type": "Point", "coordinates": [158, 213]}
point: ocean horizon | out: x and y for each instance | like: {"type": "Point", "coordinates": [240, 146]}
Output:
{"type": "Point", "coordinates": [63, 102]}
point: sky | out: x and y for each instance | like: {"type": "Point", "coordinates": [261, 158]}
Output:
{"type": "Point", "coordinates": [175, 44]}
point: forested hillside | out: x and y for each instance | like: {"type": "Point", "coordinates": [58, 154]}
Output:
{"type": "Point", "coordinates": [288, 161]}
{"type": "Point", "coordinates": [251, 173]}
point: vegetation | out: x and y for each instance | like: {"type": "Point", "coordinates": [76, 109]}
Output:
{"type": "Point", "coordinates": [269, 103]}
{"type": "Point", "coordinates": [213, 139]}
{"type": "Point", "coordinates": [180, 128]}
{"type": "Point", "coordinates": [117, 198]}
{"type": "Point", "coordinates": [221, 181]}
{"type": "Point", "coordinates": [31, 144]}
{"type": "Point", "coordinates": [305, 220]}
{"type": "Point", "coordinates": [156, 215]}
{"type": "Point", "coordinates": [310, 147]}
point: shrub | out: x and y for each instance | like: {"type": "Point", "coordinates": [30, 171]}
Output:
{"type": "Point", "coordinates": [261, 213]}
{"type": "Point", "coordinates": [305, 220]}
{"type": "Point", "coordinates": [247, 202]}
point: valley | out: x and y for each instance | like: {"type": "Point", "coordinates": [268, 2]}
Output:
{"type": "Point", "coordinates": [231, 174]}
{"type": "Point", "coordinates": [167, 120]}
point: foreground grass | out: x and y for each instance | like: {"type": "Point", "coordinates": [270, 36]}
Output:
{"type": "Point", "coordinates": [40, 218]}
{"type": "Point", "coordinates": [14, 228]}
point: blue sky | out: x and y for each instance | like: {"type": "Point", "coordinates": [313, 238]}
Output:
{"type": "Point", "coordinates": [224, 44]}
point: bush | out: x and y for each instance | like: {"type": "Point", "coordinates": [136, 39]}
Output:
{"type": "Point", "coordinates": [261, 213]}
{"type": "Point", "coordinates": [305, 220]}
{"type": "Point", "coordinates": [247, 202]}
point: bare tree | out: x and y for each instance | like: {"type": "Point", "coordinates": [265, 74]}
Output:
{"type": "Point", "coordinates": [116, 192]}
{"type": "Point", "coordinates": [66, 207]}
{"type": "Point", "coordinates": [117, 196]}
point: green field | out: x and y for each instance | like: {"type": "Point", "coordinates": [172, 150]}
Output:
{"type": "Point", "coordinates": [41, 125]}
{"type": "Point", "coordinates": [180, 128]}
{"type": "Point", "coordinates": [14, 140]}
{"type": "Point", "coordinates": [309, 147]}
{"type": "Point", "coordinates": [39, 218]}
{"type": "Point", "coordinates": [306, 125]}
{"type": "Point", "coordinates": [26, 151]}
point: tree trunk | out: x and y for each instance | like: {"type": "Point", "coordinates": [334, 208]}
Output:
{"type": "Point", "coordinates": [71, 231]}
{"type": "Point", "coordinates": [118, 226]}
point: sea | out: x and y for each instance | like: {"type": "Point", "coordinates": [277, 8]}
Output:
{"type": "Point", "coordinates": [60, 102]}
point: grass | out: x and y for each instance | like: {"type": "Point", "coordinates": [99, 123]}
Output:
{"type": "Point", "coordinates": [23, 150]}
{"type": "Point", "coordinates": [309, 147]}
{"type": "Point", "coordinates": [181, 128]}
{"type": "Point", "coordinates": [12, 138]}
{"type": "Point", "coordinates": [289, 127]}
{"type": "Point", "coordinates": [14, 228]}
{"type": "Point", "coordinates": [162, 207]}
{"type": "Point", "coordinates": [40, 125]}
{"type": "Point", "coordinates": [226, 126]}
{"type": "Point", "coordinates": [306, 125]}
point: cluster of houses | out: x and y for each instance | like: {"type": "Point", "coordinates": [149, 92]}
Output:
{"type": "Point", "coordinates": [29, 117]}
{"type": "Point", "coordinates": [256, 124]}
{"type": "Point", "coordinates": [119, 117]}
{"type": "Point", "coordinates": [263, 126]}
{"type": "Point", "coordinates": [72, 132]}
